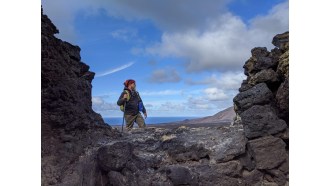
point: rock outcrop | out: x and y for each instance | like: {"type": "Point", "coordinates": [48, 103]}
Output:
{"type": "Point", "coordinates": [262, 107]}
{"type": "Point", "coordinates": [68, 123]}
{"type": "Point", "coordinates": [181, 156]}
{"type": "Point", "coordinates": [78, 148]}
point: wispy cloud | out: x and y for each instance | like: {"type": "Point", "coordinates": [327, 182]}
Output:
{"type": "Point", "coordinates": [111, 71]}
{"type": "Point", "coordinates": [127, 35]}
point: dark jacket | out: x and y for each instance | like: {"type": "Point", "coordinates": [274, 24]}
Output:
{"type": "Point", "coordinates": [132, 105]}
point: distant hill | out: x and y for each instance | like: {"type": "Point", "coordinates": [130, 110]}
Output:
{"type": "Point", "coordinates": [224, 116]}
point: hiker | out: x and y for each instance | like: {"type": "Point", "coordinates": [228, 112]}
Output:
{"type": "Point", "coordinates": [131, 104]}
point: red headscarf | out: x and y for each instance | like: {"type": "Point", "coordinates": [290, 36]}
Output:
{"type": "Point", "coordinates": [128, 82]}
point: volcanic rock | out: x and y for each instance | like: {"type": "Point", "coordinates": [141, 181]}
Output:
{"type": "Point", "coordinates": [78, 148]}
{"type": "Point", "coordinates": [262, 107]}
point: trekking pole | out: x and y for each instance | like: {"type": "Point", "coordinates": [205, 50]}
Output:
{"type": "Point", "coordinates": [122, 126]}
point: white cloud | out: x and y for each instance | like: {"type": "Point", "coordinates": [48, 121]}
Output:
{"type": "Point", "coordinates": [210, 39]}
{"type": "Point", "coordinates": [225, 81]}
{"type": "Point", "coordinates": [99, 105]}
{"type": "Point", "coordinates": [161, 93]}
{"type": "Point", "coordinates": [225, 43]}
{"type": "Point", "coordinates": [168, 15]}
{"type": "Point", "coordinates": [63, 13]}
{"type": "Point", "coordinates": [203, 103]}
{"type": "Point", "coordinates": [97, 101]}
{"type": "Point", "coordinates": [219, 93]}
{"type": "Point", "coordinates": [115, 70]}
{"type": "Point", "coordinates": [198, 103]}
{"type": "Point", "coordinates": [215, 94]}
{"type": "Point", "coordinates": [221, 88]}
{"type": "Point", "coordinates": [211, 98]}
{"type": "Point", "coordinates": [218, 48]}
{"type": "Point", "coordinates": [164, 76]}
{"type": "Point", "coordinates": [125, 34]}
{"type": "Point", "coordinates": [169, 106]}
{"type": "Point", "coordinates": [230, 80]}
{"type": "Point", "coordinates": [275, 21]}
{"type": "Point", "coordinates": [264, 28]}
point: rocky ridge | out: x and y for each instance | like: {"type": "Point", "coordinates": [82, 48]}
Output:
{"type": "Point", "coordinates": [78, 148]}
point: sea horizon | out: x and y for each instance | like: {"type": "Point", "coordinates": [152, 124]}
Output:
{"type": "Point", "coordinates": [149, 120]}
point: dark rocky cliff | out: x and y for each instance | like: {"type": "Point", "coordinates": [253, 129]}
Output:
{"type": "Point", "coordinates": [68, 123]}
{"type": "Point", "coordinates": [78, 148]}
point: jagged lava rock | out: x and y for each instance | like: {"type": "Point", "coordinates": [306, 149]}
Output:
{"type": "Point", "coordinates": [257, 95]}
{"type": "Point", "coordinates": [261, 121]}
{"type": "Point", "coordinates": [262, 107]}
{"type": "Point", "coordinates": [69, 126]}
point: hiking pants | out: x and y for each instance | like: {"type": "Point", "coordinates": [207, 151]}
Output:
{"type": "Point", "coordinates": [130, 119]}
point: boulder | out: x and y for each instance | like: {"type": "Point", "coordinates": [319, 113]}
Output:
{"type": "Point", "coordinates": [245, 86]}
{"type": "Point", "coordinates": [116, 179]}
{"type": "Point", "coordinates": [268, 76]}
{"type": "Point", "coordinates": [259, 52]}
{"type": "Point", "coordinates": [281, 41]}
{"type": "Point", "coordinates": [252, 177]}
{"type": "Point", "coordinates": [283, 66]}
{"type": "Point", "coordinates": [257, 95]}
{"type": "Point", "coordinates": [220, 174]}
{"type": "Point", "coordinates": [180, 175]}
{"type": "Point", "coordinates": [256, 64]}
{"type": "Point", "coordinates": [115, 157]}
{"type": "Point", "coordinates": [282, 100]}
{"type": "Point", "coordinates": [268, 152]}
{"type": "Point", "coordinates": [261, 121]}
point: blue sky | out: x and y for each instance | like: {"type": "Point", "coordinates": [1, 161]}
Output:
{"type": "Point", "coordinates": [187, 57]}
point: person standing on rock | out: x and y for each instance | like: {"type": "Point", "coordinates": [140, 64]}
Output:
{"type": "Point", "coordinates": [131, 104]}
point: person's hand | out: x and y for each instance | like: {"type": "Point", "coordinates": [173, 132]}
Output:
{"type": "Point", "coordinates": [145, 115]}
{"type": "Point", "coordinates": [125, 96]}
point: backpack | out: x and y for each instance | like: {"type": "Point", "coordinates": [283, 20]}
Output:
{"type": "Point", "coordinates": [128, 97]}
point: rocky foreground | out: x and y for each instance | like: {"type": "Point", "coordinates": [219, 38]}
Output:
{"type": "Point", "coordinates": [78, 148]}
{"type": "Point", "coordinates": [181, 156]}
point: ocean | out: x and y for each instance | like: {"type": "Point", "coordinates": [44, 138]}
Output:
{"type": "Point", "coordinates": [150, 120]}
